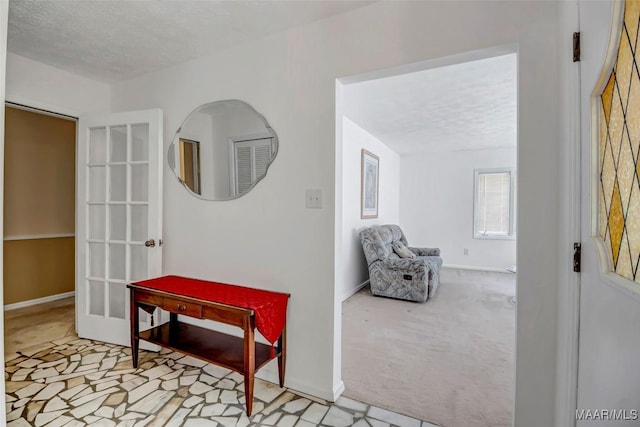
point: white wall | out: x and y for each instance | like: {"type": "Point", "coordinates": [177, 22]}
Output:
{"type": "Point", "coordinates": [354, 139]}
{"type": "Point", "coordinates": [268, 239]}
{"type": "Point", "coordinates": [39, 85]}
{"type": "Point", "coordinates": [436, 206]}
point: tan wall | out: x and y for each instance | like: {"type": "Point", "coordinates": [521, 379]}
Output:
{"type": "Point", "coordinates": [39, 199]}
{"type": "Point", "coordinates": [40, 170]}
{"type": "Point", "coordinates": [38, 268]}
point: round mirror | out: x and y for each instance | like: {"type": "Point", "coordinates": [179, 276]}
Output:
{"type": "Point", "coordinates": [222, 150]}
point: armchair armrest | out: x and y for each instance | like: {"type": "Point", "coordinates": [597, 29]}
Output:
{"type": "Point", "coordinates": [426, 251]}
{"type": "Point", "coordinates": [407, 264]}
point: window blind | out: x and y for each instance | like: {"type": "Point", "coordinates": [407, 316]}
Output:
{"type": "Point", "coordinates": [493, 208]}
{"type": "Point", "coordinates": [251, 161]}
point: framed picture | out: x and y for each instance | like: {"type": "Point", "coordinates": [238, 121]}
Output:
{"type": "Point", "coordinates": [369, 185]}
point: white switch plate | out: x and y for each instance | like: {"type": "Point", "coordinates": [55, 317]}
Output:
{"type": "Point", "coordinates": [313, 199]}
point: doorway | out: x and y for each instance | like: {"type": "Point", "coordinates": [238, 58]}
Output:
{"type": "Point", "coordinates": [434, 185]}
{"type": "Point", "coordinates": [39, 224]}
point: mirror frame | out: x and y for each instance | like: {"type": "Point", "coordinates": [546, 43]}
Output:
{"type": "Point", "coordinates": [176, 139]}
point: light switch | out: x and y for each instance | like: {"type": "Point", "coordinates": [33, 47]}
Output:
{"type": "Point", "coordinates": [313, 199]}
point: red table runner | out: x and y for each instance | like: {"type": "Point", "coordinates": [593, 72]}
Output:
{"type": "Point", "coordinates": [270, 307]}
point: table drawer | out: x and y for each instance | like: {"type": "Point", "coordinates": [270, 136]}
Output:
{"type": "Point", "coordinates": [148, 298]}
{"type": "Point", "coordinates": [182, 307]}
{"type": "Point", "coordinates": [228, 315]}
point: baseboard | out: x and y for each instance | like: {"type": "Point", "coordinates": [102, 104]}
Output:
{"type": "Point", "coordinates": [311, 390]}
{"type": "Point", "coordinates": [469, 267]}
{"type": "Point", "coordinates": [270, 373]}
{"type": "Point", "coordinates": [338, 389]}
{"type": "Point", "coordinates": [38, 301]}
{"type": "Point", "coordinates": [354, 290]}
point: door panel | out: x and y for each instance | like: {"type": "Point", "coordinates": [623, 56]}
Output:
{"type": "Point", "coordinates": [119, 209]}
{"type": "Point", "coordinates": [609, 349]}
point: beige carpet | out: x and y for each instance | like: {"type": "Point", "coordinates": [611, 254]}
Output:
{"type": "Point", "coordinates": [449, 361]}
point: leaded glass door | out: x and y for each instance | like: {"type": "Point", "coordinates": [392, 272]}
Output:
{"type": "Point", "coordinates": [609, 343]}
{"type": "Point", "coordinates": [119, 218]}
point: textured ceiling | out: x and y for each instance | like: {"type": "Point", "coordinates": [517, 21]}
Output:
{"type": "Point", "coordinates": [468, 106]}
{"type": "Point", "coordinates": [117, 40]}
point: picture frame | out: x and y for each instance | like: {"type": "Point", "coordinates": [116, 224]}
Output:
{"type": "Point", "coordinates": [369, 185]}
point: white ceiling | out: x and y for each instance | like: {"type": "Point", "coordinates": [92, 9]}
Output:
{"type": "Point", "coordinates": [117, 40]}
{"type": "Point", "coordinates": [468, 106]}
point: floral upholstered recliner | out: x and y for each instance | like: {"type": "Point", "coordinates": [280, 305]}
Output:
{"type": "Point", "coordinates": [396, 270]}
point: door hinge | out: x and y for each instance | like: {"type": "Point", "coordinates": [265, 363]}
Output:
{"type": "Point", "coordinates": [577, 257]}
{"type": "Point", "coordinates": [576, 47]}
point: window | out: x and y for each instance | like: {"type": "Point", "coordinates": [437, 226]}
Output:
{"type": "Point", "coordinates": [493, 204]}
{"type": "Point", "coordinates": [618, 108]}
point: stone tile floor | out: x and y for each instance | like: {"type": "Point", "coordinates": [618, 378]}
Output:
{"type": "Point", "coordinates": [76, 382]}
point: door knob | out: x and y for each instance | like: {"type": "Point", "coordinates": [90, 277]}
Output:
{"type": "Point", "coordinates": [150, 243]}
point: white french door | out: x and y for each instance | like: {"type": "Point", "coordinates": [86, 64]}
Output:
{"type": "Point", "coordinates": [119, 218]}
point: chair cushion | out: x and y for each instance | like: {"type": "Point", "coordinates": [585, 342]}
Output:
{"type": "Point", "coordinates": [402, 250]}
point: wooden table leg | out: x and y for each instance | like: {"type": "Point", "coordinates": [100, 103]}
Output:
{"type": "Point", "coordinates": [135, 329]}
{"type": "Point", "coordinates": [173, 328]}
{"type": "Point", "coordinates": [282, 356]}
{"type": "Point", "coordinates": [249, 364]}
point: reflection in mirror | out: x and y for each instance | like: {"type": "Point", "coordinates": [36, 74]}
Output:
{"type": "Point", "coordinates": [222, 150]}
{"type": "Point", "coordinates": [190, 164]}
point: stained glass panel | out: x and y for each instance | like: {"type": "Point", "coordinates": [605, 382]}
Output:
{"type": "Point", "coordinates": [619, 151]}
{"type": "Point", "coordinates": [633, 104]}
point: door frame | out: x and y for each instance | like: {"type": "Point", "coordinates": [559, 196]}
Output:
{"type": "Point", "coordinates": [340, 83]}
{"type": "Point", "coordinates": [75, 120]}
{"type": "Point", "coordinates": [44, 108]}
{"type": "Point", "coordinates": [568, 325]}
{"type": "Point", "coordinates": [4, 17]}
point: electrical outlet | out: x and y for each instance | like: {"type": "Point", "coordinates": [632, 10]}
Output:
{"type": "Point", "coordinates": [313, 199]}
{"type": "Point", "coordinates": [466, 251]}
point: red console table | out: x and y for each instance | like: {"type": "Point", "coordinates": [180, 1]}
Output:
{"type": "Point", "coordinates": [240, 306]}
